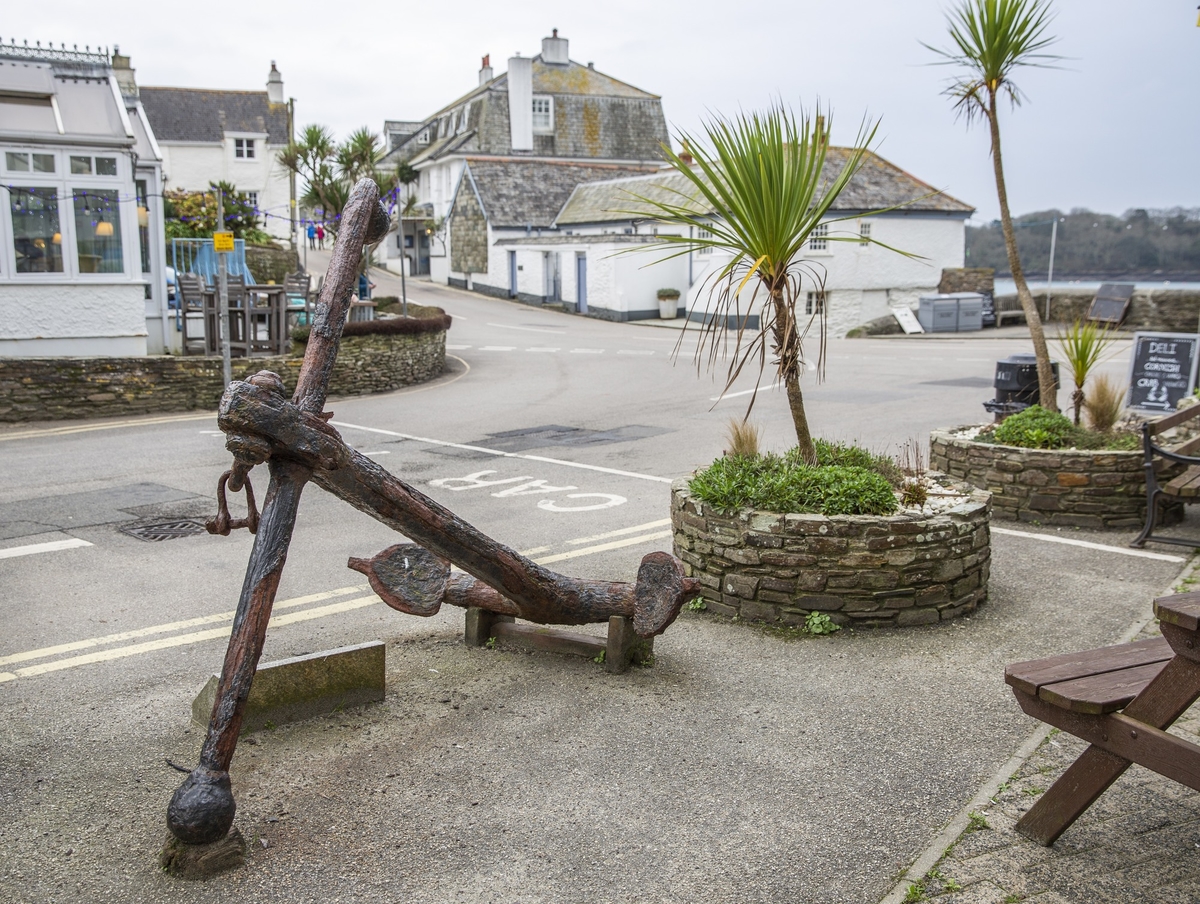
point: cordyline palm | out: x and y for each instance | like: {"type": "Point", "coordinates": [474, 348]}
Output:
{"type": "Point", "coordinates": [990, 39]}
{"type": "Point", "coordinates": [756, 187]}
{"type": "Point", "coordinates": [331, 170]}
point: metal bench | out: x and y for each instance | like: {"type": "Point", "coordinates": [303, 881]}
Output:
{"type": "Point", "coordinates": [1120, 699]}
{"type": "Point", "coordinates": [1180, 486]}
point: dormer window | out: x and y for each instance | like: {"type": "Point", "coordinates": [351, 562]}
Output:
{"type": "Point", "coordinates": [423, 138]}
{"type": "Point", "coordinates": [543, 114]}
{"type": "Point", "coordinates": [243, 148]}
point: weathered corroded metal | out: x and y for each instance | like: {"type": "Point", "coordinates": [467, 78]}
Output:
{"type": "Point", "coordinates": [298, 445]}
{"type": "Point", "coordinates": [413, 580]}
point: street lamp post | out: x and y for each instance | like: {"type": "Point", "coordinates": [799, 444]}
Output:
{"type": "Point", "coordinates": [1050, 274]}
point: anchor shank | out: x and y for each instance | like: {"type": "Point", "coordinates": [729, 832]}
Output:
{"type": "Point", "coordinates": [542, 595]}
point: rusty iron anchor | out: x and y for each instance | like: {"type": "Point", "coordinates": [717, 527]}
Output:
{"type": "Point", "coordinates": [292, 437]}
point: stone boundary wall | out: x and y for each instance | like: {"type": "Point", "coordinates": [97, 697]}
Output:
{"type": "Point", "coordinates": [1094, 489]}
{"type": "Point", "coordinates": [1166, 310]}
{"type": "Point", "coordinates": [861, 570]}
{"type": "Point", "coordinates": [44, 389]}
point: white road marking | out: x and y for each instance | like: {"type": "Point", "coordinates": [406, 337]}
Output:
{"type": "Point", "coordinates": [497, 348]}
{"type": "Point", "coordinates": [542, 349]}
{"type": "Point", "coordinates": [635, 351]}
{"type": "Point", "coordinates": [35, 548]}
{"type": "Point", "coordinates": [587, 351]}
{"type": "Point", "coordinates": [502, 454]}
{"type": "Point", "coordinates": [603, 547]}
{"type": "Point", "coordinates": [734, 395]}
{"type": "Point", "coordinates": [528, 329]}
{"type": "Point", "coordinates": [610, 500]}
{"type": "Point", "coordinates": [380, 452]}
{"type": "Point", "coordinates": [1120, 550]}
{"type": "Point", "coordinates": [456, 348]}
{"type": "Point", "coordinates": [649, 525]}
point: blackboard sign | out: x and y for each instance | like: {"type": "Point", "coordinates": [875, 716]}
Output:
{"type": "Point", "coordinates": [1162, 370]}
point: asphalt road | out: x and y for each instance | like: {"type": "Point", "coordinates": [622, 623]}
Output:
{"type": "Point", "coordinates": [741, 767]}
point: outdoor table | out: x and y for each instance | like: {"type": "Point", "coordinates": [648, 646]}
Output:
{"type": "Point", "coordinates": [254, 325]}
{"type": "Point", "coordinates": [1120, 699]}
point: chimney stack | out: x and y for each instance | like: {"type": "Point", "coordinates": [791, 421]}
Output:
{"type": "Point", "coordinates": [520, 102]}
{"type": "Point", "coordinates": [485, 70]}
{"type": "Point", "coordinates": [124, 73]}
{"type": "Point", "coordinates": [554, 49]}
{"type": "Point", "coordinates": [274, 85]}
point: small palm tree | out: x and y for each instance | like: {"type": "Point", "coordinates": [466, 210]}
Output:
{"type": "Point", "coordinates": [756, 191]}
{"type": "Point", "coordinates": [990, 40]}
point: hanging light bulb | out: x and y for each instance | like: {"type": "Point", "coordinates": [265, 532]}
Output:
{"type": "Point", "coordinates": [104, 228]}
{"type": "Point", "coordinates": [57, 239]}
{"type": "Point", "coordinates": [143, 217]}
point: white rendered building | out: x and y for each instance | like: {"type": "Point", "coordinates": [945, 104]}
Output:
{"type": "Point", "coordinates": [81, 222]}
{"type": "Point", "coordinates": [210, 136]}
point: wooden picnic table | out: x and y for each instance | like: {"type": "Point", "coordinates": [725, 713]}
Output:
{"type": "Point", "coordinates": [1120, 699]}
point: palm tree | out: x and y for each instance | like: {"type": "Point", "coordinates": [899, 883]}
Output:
{"type": "Point", "coordinates": [990, 40]}
{"type": "Point", "coordinates": [755, 189]}
{"type": "Point", "coordinates": [330, 170]}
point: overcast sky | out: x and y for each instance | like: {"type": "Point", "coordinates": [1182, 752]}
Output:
{"type": "Point", "coordinates": [1117, 127]}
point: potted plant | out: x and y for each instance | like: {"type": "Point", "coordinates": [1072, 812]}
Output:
{"type": "Point", "coordinates": [668, 303]}
{"type": "Point", "coordinates": [829, 539]}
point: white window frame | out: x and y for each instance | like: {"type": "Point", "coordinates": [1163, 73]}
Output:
{"type": "Point", "coordinates": [246, 147]}
{"type": "Point", "coordinates": [818, 300]}
{"type": "Point", "coordinates": [818, 239]}
{"type": "Point", "coordinates": [702, 233]}
{"type": "Point", "coordinates": [546, 126]}
{"type": "Point", "coordinates": [66, 186]}
{"type": "Point", "coordinates": [252, 197]}
{"type": "Point", "coordinates": [864, 233]}
{"type": "Point", "coordinates": [423, 137]}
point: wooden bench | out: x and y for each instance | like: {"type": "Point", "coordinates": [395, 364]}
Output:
{"type": "Point", "coordinates": [1181, 487]}
{"type": "Point", "coordinates": [1120, 699]}
{"type": "Point", "coordinates": [1008, 309]}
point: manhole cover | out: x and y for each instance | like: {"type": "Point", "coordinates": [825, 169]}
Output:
{"type": "Point", "coordinates": [164, 530]}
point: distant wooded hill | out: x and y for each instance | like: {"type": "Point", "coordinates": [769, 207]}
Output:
{"type": "Point", "coordinates": [1145, 243]}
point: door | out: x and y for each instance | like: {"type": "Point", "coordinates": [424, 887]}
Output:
{"type": "Point", "coordinates": [581, 282]}
{"type": "Point", "coordinates": [512, 274]}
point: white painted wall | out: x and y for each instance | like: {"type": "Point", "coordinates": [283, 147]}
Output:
{"type": "Point", "coordinates": [98, 320]}
{"type": "Point", "coordinates": [638, 276]}
{"type": "Point", "coordinates": [193, 165]}
{"type": "Point", "coordinates": [863, 282]}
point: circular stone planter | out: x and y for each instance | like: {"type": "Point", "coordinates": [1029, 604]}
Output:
{"type": "Point", "coordinates": [868, 570]}
{"type": "Point", "coordinates": [1082, 488]}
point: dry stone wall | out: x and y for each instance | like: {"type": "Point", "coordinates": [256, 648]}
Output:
{"type": "Point", "coordinates": [43, 389]}
{"type": "Point", "coordinates": [1052, 486]}
{"type": "Point", "coordinates": [861, 570]}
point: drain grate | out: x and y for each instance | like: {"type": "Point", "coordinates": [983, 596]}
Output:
{"type": "Point", "coordinates": [164, 530]}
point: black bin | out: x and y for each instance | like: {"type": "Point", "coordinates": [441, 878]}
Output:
{"type": "Point", "coordinates": [1016, 384]}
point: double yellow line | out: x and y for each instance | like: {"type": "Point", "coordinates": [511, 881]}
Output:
{"type": "Point", "coordinates": [616, 539]}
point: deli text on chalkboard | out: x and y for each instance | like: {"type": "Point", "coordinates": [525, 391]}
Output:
{"type": "Point", "coordinates": [1162, 370]}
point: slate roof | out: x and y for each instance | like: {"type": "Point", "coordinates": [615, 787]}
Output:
{"type": "Point", "coordinates": [878, 184]}
{"type": "Point", "coordinates": [595, 115]}
{"type": "Point", "coordinates": [200, 114]}
{"type": "Point", "coordinates": [517, 192]}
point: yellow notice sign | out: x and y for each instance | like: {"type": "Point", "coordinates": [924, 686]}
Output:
{"type": "Point", "coordinates": [222, 241]}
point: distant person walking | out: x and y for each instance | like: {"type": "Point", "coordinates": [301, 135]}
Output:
{"type": "Point", "coordinates": [312, 237]}
{"type": "Point", "coordinates": [321, 237]}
